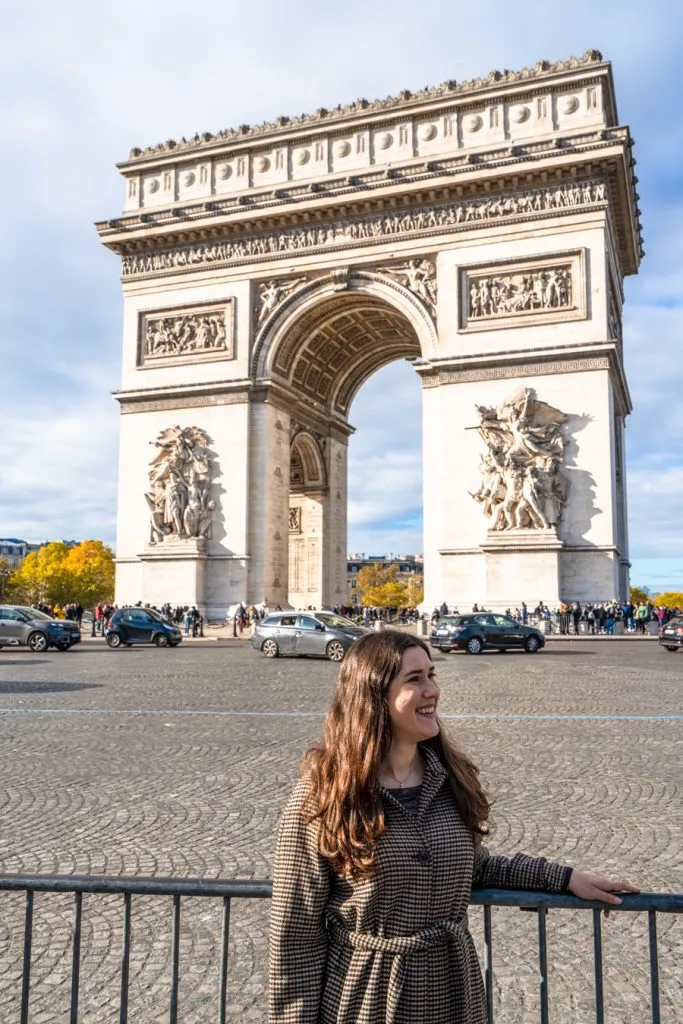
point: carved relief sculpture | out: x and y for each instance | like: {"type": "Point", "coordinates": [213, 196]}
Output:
{"type": "Point", "coordinates": [170, 335]}
{"type": "Point", "coordinates": [498, 296]}
{"type": "Point", "coordinates": [272, 294]}
{"type": "Point", "coordinates": [444, 218]}
{"type": "Point", "coordinates": [295, 519]}
{"type": "Point", "coordinates": [522, 486]}
{"type": "Point", "coordinates": [417, 275]}
{"type": "Point", "coordinates": [179, 495]}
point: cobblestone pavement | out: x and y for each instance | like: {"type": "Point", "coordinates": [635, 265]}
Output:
{"type": "Point", "coordinates": [165, 762]}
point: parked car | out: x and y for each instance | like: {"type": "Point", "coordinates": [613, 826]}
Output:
{"type": "Point", "coordinates": [484, 631]}
{"type": "Point", "coordinates": [671, 634]}
{"type": "Point", "coordinates": [131, 626]}
{"type": "Point", "coordinates": [21, 626]}
{"type": "Point", "coordinates": [312, 634]}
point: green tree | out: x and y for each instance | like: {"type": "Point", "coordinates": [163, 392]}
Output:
{"type": "Point", "coordinates": [639, 596]}
{"type": "Point", "coordinates": [671, 598]}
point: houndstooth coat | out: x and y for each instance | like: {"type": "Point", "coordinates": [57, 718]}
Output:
{"type": "Point", "coordinates": [393, 948]}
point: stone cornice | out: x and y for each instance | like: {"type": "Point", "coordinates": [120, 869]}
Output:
{"type": "Point", "coordinates": [406, 102]}
{"type": "Point", "coordinates": [181, 218]}
{"type": "Point", "coordinates": [530, 363]}
{"type": "Point", "coordinates": [607, 152]}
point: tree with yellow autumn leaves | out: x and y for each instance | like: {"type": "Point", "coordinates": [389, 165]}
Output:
{"type": "Point", "coordinates": [379, 586]}
{"type": "Point", "coordinates": [57, 575]}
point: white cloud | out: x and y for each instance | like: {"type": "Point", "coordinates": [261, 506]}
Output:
{"type": "Point", "coordinates": [83, 82]}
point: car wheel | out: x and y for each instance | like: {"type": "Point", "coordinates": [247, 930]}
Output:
{"type": "Point", "coordinates": [173, 643]}
{"type": "Point", "coordinates": [114, 640]}
{"type": "Point", "coordinates": [270, 649]}
{"type": "Point", "coordinates": [38, 643]}
{"type": "Point", "coordinates": [532, 644]}
{"type": "Point", "coordinates": [670, 648]}
{"type": "Point", "coordinates": [64, 645]}
{"type": "Point", "coordinates": [335, 650]}
{"type": "Point", "coordinates": [474, 645]}
{"type": "Point", "coordinates": [161, 640]}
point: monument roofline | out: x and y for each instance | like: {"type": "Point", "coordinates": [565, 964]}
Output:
{"type": "Point", "coordinates": [408, 102]}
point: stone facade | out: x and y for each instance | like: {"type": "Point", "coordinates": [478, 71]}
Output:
{"type": "Point", "coordinates": [481, 230]}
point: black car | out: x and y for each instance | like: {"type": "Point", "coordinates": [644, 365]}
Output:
{"type": "Point", "coordinates": [482, 631]}
{"type": "Point", "coordinates": [671, 634]}
{"type": "Point", "coordinates": [129, 626]}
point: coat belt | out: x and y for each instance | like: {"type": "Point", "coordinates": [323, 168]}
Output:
{"type": "Point", "coordinates": [446, 929]}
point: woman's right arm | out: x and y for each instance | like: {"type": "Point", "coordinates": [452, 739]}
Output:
{"type": "Point", "coordinates": [298, 936]}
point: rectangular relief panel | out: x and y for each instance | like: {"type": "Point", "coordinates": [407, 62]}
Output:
{"type": "Point", "coordinates": [187, 334]}
{"type": "Point", "coordinates": [542, 290]}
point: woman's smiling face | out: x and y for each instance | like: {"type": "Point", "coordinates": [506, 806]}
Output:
{"type": "Point", "coordinates": [412, 698]}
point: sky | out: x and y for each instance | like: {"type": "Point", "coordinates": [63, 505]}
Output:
{"type": "Point", "coordinates": [83, 82]}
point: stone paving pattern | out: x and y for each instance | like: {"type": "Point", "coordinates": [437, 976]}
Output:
{"type": "Point", "coordinates": [108, 769]}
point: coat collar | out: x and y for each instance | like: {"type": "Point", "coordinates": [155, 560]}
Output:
{"type": "Point", "coordinates": [434, 777]}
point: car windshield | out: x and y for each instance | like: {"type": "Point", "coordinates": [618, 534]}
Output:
{"type": "Point", "coordinates": [337, 621]}
{"type": "Point", "coordinates": [153, 613]}
{"type": "Point", "coordinates": [33, 613]}
{"type": "Point", "coordinates": [450, 620]}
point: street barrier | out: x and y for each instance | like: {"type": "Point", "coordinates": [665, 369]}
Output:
{"type": "Point", "coordinates": [541, 903]}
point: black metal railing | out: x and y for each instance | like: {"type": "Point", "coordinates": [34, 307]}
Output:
{"type": "Point", "coordinates": [650, 903]}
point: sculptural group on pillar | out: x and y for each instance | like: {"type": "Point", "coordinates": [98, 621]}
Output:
{"type": "Point", "coordinates": [179, 497]}
{"type": "Point", "coordinates": [522, 486]}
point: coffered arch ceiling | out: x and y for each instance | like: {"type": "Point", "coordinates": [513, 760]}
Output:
{"type": "Point", "coordinates": [332, 349]}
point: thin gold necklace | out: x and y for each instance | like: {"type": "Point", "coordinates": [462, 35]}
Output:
{"type": "Point", "coordinates": [402, 782]}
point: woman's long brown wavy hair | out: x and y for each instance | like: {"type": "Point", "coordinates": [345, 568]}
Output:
{"type": "Point", "coordinates": [343, 768]}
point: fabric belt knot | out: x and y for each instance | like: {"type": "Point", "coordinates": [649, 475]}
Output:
{"type": "Point", "coordinates": [446, 929]}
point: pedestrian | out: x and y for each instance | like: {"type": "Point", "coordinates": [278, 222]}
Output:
{"type": "Point", "coordinates": [187, 621]}
{"type": "Point", "coordinates": [377, 851]}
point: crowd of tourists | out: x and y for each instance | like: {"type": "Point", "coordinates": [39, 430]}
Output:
{"type": "Point", "coordinates": [74, 612]}
{"type": "Point", "coordinates": [592, 617]}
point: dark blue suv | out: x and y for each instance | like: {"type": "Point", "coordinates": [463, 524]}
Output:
{"type": "Point", "coordinates": [129, 626]}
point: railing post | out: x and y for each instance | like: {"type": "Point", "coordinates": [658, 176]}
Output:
{"type": "Point", "coordinates": [125, 959]}
{"type": "Point", "coordinates": [543, 964]}
{"type": "Point", "coordinates": [26, 969]}
{"type": "Point", "coordinates": [597, 966]}
{"type": "Point", "coordinates": [76, 957]}
{"type": "Point", "coordinates": [488, 962]}
{"type": "Point", "coordinates": [175, 959]}
{"type": "Point", "coordinates": [223, 981]}
{"type": "Point", "coordinates": [654, 966]}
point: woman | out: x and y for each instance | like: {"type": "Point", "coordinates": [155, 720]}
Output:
{"type": "Point", "coordinates": [378, 849]}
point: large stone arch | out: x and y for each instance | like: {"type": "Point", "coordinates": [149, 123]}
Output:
{"type": "Point", "coordinates": [324, 339]}
{"type": "Point", "coordinates": [377, 318]}
{"type": "Point", "coordinates": [482, 230]}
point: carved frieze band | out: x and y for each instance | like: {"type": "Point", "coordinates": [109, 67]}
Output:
{"type": "Point", "coordinates": [182, 402]}
{"type": "Point", "coordinates": [428, 220]}
{"type": "Point", "coordinates": [510, 371]}
{"type": "Point", "coordinates": [534, 291]}
{"type": "Point", "coordinates": [186, 335]}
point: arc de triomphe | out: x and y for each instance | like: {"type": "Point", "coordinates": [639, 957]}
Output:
{"type": "Point", "coordinates": [480, 229]}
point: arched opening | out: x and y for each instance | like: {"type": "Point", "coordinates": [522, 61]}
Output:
{"type": "Point", "coordinates": [385, 497]}
{"type": "Point", "coordinates": [322, 355]}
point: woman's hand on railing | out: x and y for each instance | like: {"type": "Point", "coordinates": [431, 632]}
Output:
{"type": "Point", "coordinates": [589, 886]}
